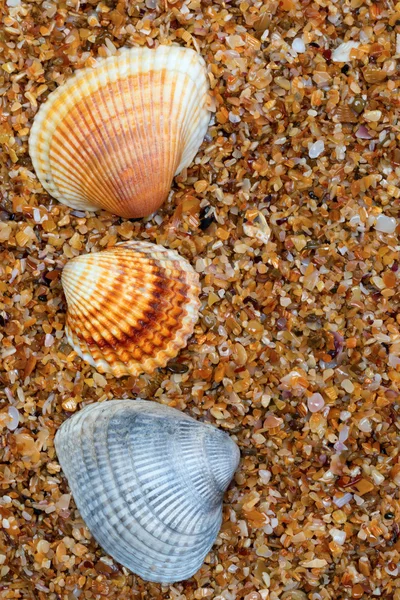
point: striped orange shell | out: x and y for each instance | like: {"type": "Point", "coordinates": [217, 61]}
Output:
{"type": "Point", "coordinates": [130, 308]}
{"type": "Point", "coordinates": [114, 136]}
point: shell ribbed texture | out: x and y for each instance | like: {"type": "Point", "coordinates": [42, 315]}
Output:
{"type": "Point", "coordinates": [145, 478]}
{"type": "Point", "coordinates": [130, 308]}
{"type": "Point", "coordinates": [114, 136]}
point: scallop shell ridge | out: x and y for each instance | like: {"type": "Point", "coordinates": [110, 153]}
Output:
{"type": "Point", "coordinates": [131, 308]}
{"type": "Point", "coordinates": [114, 136]}
{"type": "Point", "coordinates": [143, 477]}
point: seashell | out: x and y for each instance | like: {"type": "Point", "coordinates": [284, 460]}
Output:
{"type": "Point", "coordinates": [131, 308]}
{"type": "Point", "coordinates": [257, 226]}
{"type": "Point", "coordinates": [344, 52]}
{"type": "Point", "coordinates": [114, 136]}
{"type": "Point", "coordinates": [345, 114]}
{"type": "Point", "coordinates": [148, 481]}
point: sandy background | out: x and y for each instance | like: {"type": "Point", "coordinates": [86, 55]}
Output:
{"type": "Point", "coordinates": [299, 144]}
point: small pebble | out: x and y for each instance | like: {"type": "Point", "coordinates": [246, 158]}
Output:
{"type": "Point", "coordinates": [316, 149]}
{"type": "Point", "coordinates": [358, 105]}
{"type": "Point", "coordinates": [298, 45]}
{"type": "Point", "coordinates": [316, 563]}
{"type": "Point", "coordinates": [48, 340]}
{"type": "Point", "coordinates": [207, 217]}
{"type": "Point", "coordinates": [347, 386]}
{"type": "Point", "coordinates": [364, 425]}
{"type": "Point", "coordinates": [315, 402]}
{"type": "Point", "coordinates": [357, 591]}
{"type": "Point", "coordinates": [234, 118]}
{"type": "Point", "coordinates": [385, 224]}
{"type": "Point", "coordinates": [265, 476]}
{"type": "Point", "coordinates": [344, 433]}
{"type": "Point", "coordinates": [362, 133]}
{"type": "Point", "coordinates": [372, 115]}
{"type": "Point", "coordinates": [343, 500]}
{"type": "Point", "coordinates": [14, 416]}
{"type": "Point", "coordinates": [272, 422]}
{"type": "Point", "coordinates": [43, 546]}
{"type": "Point", "coordinates": [338, 536]}
{"type": "Point", "coordinates": [281, 324]}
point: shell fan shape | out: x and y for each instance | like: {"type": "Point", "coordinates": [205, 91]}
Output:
{"type": "Point", "coordinates": [148, 481]}
{"type": "Point", "coordinates": [114, 136]}
{"type": "Point", "coordinates": [130, 308]}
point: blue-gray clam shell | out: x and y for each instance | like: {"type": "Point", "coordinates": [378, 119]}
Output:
{"type": "Point", "coordinates": [148, 481]}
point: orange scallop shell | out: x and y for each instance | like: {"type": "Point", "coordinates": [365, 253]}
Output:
{"type": "Point", "coordinates": [114, 136]}
{"type": "Point", "coordinates": [130, 308]}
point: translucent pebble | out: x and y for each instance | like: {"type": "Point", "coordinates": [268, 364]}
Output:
{"type": "Point", "coordinates": [48, 340]}
{"type": "Point", "coordinates": [234, 41]}
{"type": "Point", "coordinates": [263, 551]}
{"type": "Point", "coordinates": [43, 546]}
{"type": "Point", "coordinates": [339, 447]}
{"type": "Point", "coordinates": [364, 425]}
{"type": "Point", "coordinates": [63, 502]}
{"type": "Point", "coordinates": [393, 360]}
{"type": "Point", "coordinates": [14, 416]}
{"type": "Point", "coordinates": [377, 477]}
{"type": "Point", "coordinates": [298, 45]}
{"type": "Point", "coordinates": [372, 115]}
{"type": "Point", "coordinates": [363, 133]}
{"type": "Point", "coordinates": [234, 118]}
{"type": "Point", "coordinates": [316, 149]}
{"type": "Point", "coordinates": [264, 475]}
{"type": "Point", "coordinates": [344, 433]}
{"type": "Point", "coordinates": [338, 536]}
{"type": "Point", "coordinates": [385, 224]}
{"type": "Point", "coordinates": [344, 415]}
{"type": "Point", "coordinates": [315, 402]}
{"type": "Point", "coordinates": [347, 386]}
{"type": "Point", "coordinates": [343, 500]}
